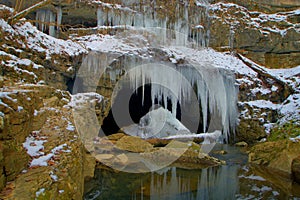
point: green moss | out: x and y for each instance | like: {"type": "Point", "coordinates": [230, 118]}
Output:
{"type": "Point", "coordinates": [288, 130]}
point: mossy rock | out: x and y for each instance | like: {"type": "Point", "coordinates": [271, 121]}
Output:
{"type": "Point", "coordinates": [288, 130]}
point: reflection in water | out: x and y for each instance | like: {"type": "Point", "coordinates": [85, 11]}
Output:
{"type": "Point", "coordinates": [236, 180]}
{"type": "Point", "coordinates": [169, 183]}
{"type": "Point", "coordinates": [211, 183]}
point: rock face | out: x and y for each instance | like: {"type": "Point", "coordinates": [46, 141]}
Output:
{"type": "Point", "coordinates": [34, 120]}
{"type": "Point", "coordinates": [17, 118]}
{"type": "Point", "coordinates": [33, 115]}
{"type": "Point", "coordinates": [270, 40]}
{"type": "Point", "coordinates": [296, 169]}
{"type": "Point", "coordinates": [268, 6]}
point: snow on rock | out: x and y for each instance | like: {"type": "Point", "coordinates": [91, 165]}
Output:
{"type": "Point", "coordinates": [80, 99]}
{"type": "Point", "coordinates": [39, 41]}
{"type": "Point", "coordinates": [43, 160]}
{"type": "Point", "coordinates": [253, 177]}
{"type": "Point", "coordinates": [290, 76]}
{"type": "Point", "coordinates": [34, 146]}
{"type": "Point", "coordinates": [116, 44]}
{"type": "Point", "coordinates": [70, 127]}
{"type": "Point", "coordinates": [290, 109]}
{"type": "Point", "coordinates": [157, 123]}
{"type": "Point", "coordinates": [17, 63]}
{"type": "Point", "coordinates": [209, 138]}
{"type": "Point", "coordinates": [210, 56]}
{"type": "Point", "coordinates": [40, 192]}
{"type": "Point", "coordinates": [258, 20]}
{"type": "Point", "coordinates": [45, 43]}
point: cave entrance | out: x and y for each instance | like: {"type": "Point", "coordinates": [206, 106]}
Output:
{"type": "Point", "coordinates": [75, 85]}
{"type": "Point", "coordinates": [129, 112]}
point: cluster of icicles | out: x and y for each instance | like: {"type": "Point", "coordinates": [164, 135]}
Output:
{"type": "Point", "coordinates": [213, 87]}
{"type": "Point", "coordinates": [187, 24]}
{"type": "Point", "coordinates": [215, 91]}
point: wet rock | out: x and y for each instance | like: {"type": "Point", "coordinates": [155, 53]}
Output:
{"type": "Point", "coordinates": [241, 144]}
{"type": "Point", "coordinates": [182, 154]}
{"type": "Point", "coordinates": [296, 169]}
{"type": "Point", "coordinates": [278, 155]}
{"type": "Point", "coordinates": [157, 142]}
{"type": "Point", "coordinates": [116, 136]}
{"type": "Point", "coordinates": [133, 144]}
{"type": "Point", "coordinates": [221, 152]}
{"type": "Point", "coordinates": [101, 157]}
{"type": "Point", "coordinates": [89, 165]}
{"type": "Point", "coordinates": [121, 159]}
{"type": "Point", "coordinates": [250, 131]}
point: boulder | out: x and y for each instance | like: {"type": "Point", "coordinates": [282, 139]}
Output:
{"type": "Point", "coordinates": [278, 155]}
{"type": "Point", "coordinates": [182, 154]}
{"type": "Point", "coordinates": [101, 157]}
{"type": "Point", "coordinates": [133, 144]}
{"type": "Point", "coordinates": [157, 142]}
{"type": "Point", "coordinates": [249, 131]}
{"type": "Point", "coordinates": [116, 136]}
{"type": "Point", "coordinates": [241, 144]}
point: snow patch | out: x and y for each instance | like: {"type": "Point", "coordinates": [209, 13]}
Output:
{"type": "Point", "coordinates": [34, 146]}
{"type": "Point", "coordinates": [80, 99]}
{"type": "Point", "coordinates": [262, 104]}
{"type": "Point", "coordinates": [39, 192]}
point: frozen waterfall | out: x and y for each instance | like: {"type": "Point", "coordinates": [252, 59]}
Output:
{"type": "Point", "coordinates": [187, 22]}
{"type": "Point", "coordinates": [210, 91]}
{"type": "Point", "coordinates": [214, 88]}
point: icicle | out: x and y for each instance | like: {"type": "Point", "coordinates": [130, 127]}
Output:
{"type": "Point", "coordinates": [45, 20]}
{"type": "Point", "coordinates": [59, 18]}
{"type": "Point", "coordinates": [100, 17]}
{"type": "Point", "coordinates": [231, 38]}
{"type": "Point", "coordinates": [51, 22]}
{"type": "Point", "coordinates": [40, 19]}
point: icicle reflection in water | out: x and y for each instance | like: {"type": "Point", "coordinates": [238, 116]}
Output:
{"type": "Point", "coordinates": [212, 183]}
{"type": "Point", "coordinates": [169, 183]}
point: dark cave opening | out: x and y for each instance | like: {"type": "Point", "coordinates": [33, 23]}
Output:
{"type": "Point", "coordinates": [74, 85]}
{"type": "Point", "coordinates": [124, 113]}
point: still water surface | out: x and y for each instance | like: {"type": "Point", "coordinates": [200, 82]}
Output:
{"type": "Point", "coordinates": [235, 180]}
